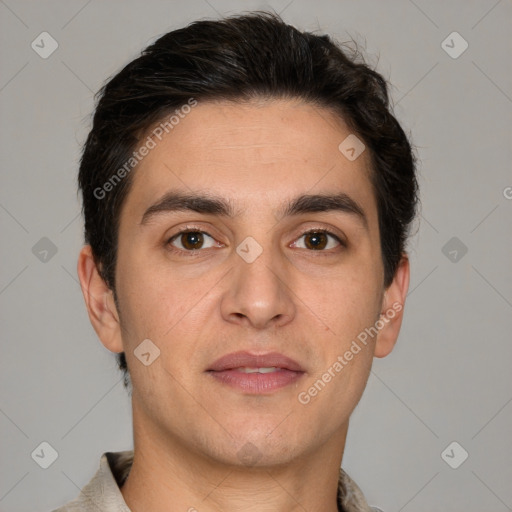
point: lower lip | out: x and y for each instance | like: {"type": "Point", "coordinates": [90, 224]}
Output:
{"type": "Point", "coordinates": [257, 383]}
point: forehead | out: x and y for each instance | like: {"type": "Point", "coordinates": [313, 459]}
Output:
{"type": "Point", "coordinates": [253, 152]}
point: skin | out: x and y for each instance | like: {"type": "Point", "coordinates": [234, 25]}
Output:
{"type": "Point", "coordinates": [306, 304]}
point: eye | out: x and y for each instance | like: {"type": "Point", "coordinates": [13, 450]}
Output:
{"type": "Point", "coordinates": [190, 240]}
{"type": "Point", "coordinates": [318, 240]}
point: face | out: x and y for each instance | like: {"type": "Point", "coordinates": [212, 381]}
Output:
{"type": "Point", "coordinates": [277, 267]}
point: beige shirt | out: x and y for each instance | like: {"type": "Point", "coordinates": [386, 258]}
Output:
{"type": "Point", "coordinates": [102, 493]}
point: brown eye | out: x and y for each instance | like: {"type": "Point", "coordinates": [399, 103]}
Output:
{"type": "Point", "coordinates": [191, 240]}
{"type": "Point", "coordinates": [318, 240]}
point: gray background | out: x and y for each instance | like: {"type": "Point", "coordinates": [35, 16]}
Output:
{"type": "Point", "coordinates": [449, 377]}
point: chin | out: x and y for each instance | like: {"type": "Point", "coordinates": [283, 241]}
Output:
{"type": "Point", "coordinates": [265, 444]}
{"type": "Point", "coordinates": [252, 455]}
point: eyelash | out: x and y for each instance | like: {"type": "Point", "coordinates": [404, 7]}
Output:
{"type": "Point", "coordinates": [192, 252]}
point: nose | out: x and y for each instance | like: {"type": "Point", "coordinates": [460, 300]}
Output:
{"type": "Point", "coordinates": [259, 293]}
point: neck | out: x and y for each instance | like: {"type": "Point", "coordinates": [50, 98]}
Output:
{"type": "Point", "coordinates": [165, 473]}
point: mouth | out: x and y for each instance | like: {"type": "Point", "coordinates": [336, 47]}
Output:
{"type": "Point", "coordinates": [256, 373]}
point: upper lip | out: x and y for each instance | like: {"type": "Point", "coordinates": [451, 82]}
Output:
{"type": "Point", "coordinates": [246, 359]}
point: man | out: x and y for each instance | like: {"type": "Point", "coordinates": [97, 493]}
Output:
{"type": "Point", "coordinates": [247, 196]}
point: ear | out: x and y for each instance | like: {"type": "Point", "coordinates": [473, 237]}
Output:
{"type": "Point", "coordinates": [392, 311]}
{"type": "Point", "coordinates": [99, 299]}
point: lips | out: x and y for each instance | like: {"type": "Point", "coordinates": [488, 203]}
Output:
{"type": "Point", "coordinates": [256, 374]}
{"type": "Point", "coordinates": [247, 360]}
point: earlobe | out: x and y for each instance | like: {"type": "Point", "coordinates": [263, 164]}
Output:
{"type": "Point", "coordinates": [393, 309]}
{"type": "Point", "coordinates": [99, 301]}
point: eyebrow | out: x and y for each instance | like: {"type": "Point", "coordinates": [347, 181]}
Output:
{"type": "Point", "coordinates": [175, 201]}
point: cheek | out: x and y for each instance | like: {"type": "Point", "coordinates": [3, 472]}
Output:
{"type": "Point", "coordinates": [146, 294]}
{"type": "Point", "coordinates": [347, 302]}
{"type": "Point", "coordinates": [171, 312]}
{"type": "Point", "coordinates": [154, 309]}
{"type": "Point", "coordinates": [328, 399]}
